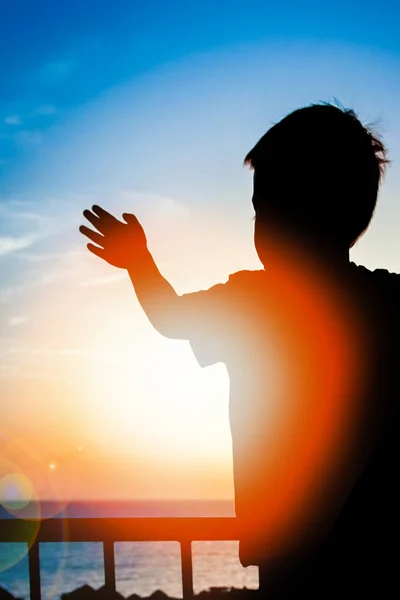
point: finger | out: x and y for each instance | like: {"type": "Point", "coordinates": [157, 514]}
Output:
{"type": "Point", "coordinates": [92, 218]}
{"type": "Point", "coordinates": [107, 218]}
{"type": "Point", "coordinates": [96, 250]}
{"type": "Point", "coordinates": [97, 238]}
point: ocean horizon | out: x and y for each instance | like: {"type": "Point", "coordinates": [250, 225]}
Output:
{"type": "Point", "coordinates": [141, 567]}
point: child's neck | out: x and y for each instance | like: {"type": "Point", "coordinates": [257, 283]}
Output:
{"type": "Point", "coordinates": [321, 254]}
{"type": "Point", "coordinates": [328, 252]}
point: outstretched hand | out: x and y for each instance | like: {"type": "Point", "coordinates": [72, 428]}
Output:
{"type": "Point", "coordinates": [118, 243]}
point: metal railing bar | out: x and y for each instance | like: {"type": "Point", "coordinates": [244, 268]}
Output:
{"type": "Point", "coordinates": [34, 571]}
{"type": "Point", "coordinates": [109, 566]}
{"type": "Point", "coordinates": [132, 529]}
{"type": "Point", "coordinates": [187, 570]}
{"type": "Point", "coordinates": [110, 530]}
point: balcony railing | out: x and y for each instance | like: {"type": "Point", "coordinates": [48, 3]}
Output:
{"type": "Point", "coordinates": [108, 531]}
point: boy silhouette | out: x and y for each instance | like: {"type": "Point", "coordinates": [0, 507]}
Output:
{"type": "Point", "coordinates": [310, 345]}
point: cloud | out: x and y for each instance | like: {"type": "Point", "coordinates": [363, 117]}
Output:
{"type": "Point", "coordinates": [56, 275]}
{"type": "Point", "coordinates": [15, 321]}
{"type": "Point", "coordinates": [168, 207]}
{"type": "Point", "coordinates": [12, 347]}
{"type": "Point", "coordinates": [32, 216]}
{"type": "Point", "coordinates": [11, 210]}
{"type": "Point", "coordinates": [28, 137]}
{"type": "Point", "coordinates": [10, 244]}
{"type": "Point", "coordinates": [10, 292]}
{"type": "Point", "coordinates": [45, 110]}
{"type": "Point", "coordinates": [64, 265]}
{"type": "Point", "coordinates": [107, 280]}
{"type": "Point", "coordinates": [27, 363]}
{"type": "Point", "coordinates": [6, 204]}
{"type": "Point", "coordinates": [57, 71]}
{"type": "Point", "coordinates": [154, 205]}
{"type": "Point", "coordinates": [29, 216]}
{"type": "Point", "coordinates": [13, 120]}
{"type": "Point", "coordinates": [7, 371]}
{"type": "Point", "coordinates": [14, 243]}
{"type": "Point", "coordinates": [52, 256]}
{"type": "Point", "coordinates": [72, 352]}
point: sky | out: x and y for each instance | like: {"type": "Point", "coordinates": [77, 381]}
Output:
{"type": "Point", "coordinates": [150, 108]}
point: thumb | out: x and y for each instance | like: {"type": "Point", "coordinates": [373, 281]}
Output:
{"type": "Point", "coordinates": [136, 227]}
{"type": "Point", "coordinates": [130, 219]}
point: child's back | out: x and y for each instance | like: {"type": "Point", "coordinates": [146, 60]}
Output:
{"type": "Point", "coordinates": [311, 357]}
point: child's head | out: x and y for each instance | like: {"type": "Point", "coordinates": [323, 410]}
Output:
{"type": "Point", "coordinates": [318, 172]}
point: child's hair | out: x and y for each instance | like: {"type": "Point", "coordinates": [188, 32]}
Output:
{"type": "Point", "coordinates": [322, 166]}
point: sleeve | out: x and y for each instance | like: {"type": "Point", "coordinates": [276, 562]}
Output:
{"type": "Point", "coordinates": [206, 322]}
{"type": "Point", "coordinates": [213, 317]}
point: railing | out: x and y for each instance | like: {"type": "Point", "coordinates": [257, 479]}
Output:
{"type": "Point", "coordinates": [108, 531]}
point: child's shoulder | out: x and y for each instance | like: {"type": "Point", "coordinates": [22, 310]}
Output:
{"type": "Point", "coordinates": [380, 285]}
{"type": "Point", "coordinates": [378, 280]}
{"type": "Point", "coordinates": [378, 277]}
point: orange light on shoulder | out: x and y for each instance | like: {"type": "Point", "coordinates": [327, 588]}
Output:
{"type": "Point", "coordinates": [299, 459]}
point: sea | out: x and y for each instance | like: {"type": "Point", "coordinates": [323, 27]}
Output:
{"type": "Point", "coordinates": [141, 567]}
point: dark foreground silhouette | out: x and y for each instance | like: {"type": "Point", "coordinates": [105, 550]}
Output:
{"type": "Point", "coordinates": [5, 595]}
{"type": "Point", "coordinates": [86, 592]}
{"type": "Point", "coordinates": [310, 343]}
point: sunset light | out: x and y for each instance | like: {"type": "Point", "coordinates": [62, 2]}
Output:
{"type": "Point", "coordinates": [187, 331]}
{"type": "Point", "coordinates": [107, 394]}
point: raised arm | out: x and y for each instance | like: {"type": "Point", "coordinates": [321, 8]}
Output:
{"type": "Point", "coordinates": [158, 298]}
{"type": "Point", "coordinates": [124, 245]}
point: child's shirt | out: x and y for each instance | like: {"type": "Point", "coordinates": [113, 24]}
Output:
{"type": "Point", "coordinates": [314, 384]}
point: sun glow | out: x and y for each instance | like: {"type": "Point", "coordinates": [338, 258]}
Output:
{"type": "Point", "coordinates": [108, 398]}
{"type": "Point", "coordinates": [123, 411]}
{"type": "Point", "coordinates": [155, 397]}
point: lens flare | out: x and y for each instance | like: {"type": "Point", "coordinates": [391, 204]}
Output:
{"type": "Point", "coordinates": [29, 492]}
{"type": "Point", "coordinates": [48, 483]}
{"type": "Point", "coordinates": [17, 498]}
{"type": "Point", "coordinates": [16, 491]}
{"type": "Point", "coordinates": [18, 494]}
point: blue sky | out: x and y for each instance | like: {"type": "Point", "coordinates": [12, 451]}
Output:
{"type": "Point", "coordinates": [150, 107]}
{"type": "Point", "coordinates": [56, 55]}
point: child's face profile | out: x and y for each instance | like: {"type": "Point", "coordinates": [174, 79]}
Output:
{"type": "Point", "coordinates": [267, 224]}
{"type": "Point", "coordinates": [281, 221]}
